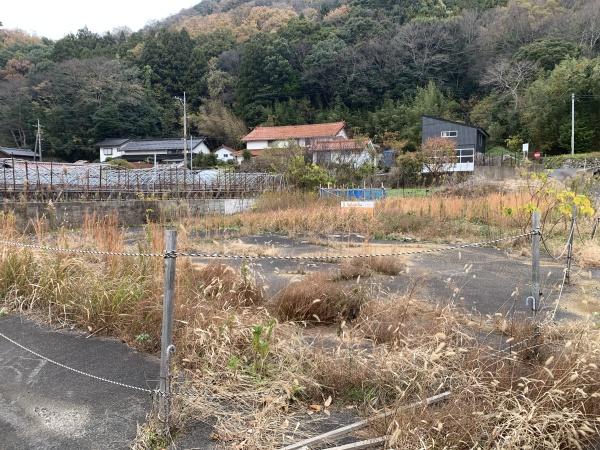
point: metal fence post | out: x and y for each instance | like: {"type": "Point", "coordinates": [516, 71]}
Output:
{"type": "Point", "coordinates": [535, 262]}
{"type": "Point", "coordinates": [570, 244]}
{"type": "Point", "coordinates": [166, 346]}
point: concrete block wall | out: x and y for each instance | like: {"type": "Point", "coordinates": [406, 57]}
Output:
{"type": "Point", "coordinates": [71, 214]}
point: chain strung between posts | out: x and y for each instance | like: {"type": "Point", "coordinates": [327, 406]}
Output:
{"type": "Point", "coordinates": [89, 375]}
{"type": "Point", "coordinates": [79, 250]}
{"type": "Point", "coordinates": [175, 254]}
{"type": "Point", "coordinates": [337, 257]}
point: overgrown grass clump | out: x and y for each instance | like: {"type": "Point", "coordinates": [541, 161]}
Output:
{"type": "Point", "coordinates": [318, 298]}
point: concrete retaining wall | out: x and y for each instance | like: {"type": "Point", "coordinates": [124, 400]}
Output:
{"type": "Point", "coordinates": [129, 212]}
{"type": "Point", "coordinates": [495, 172]}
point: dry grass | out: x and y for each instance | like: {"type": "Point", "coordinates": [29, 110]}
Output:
{"type": "Point", "coordinates": [318, 298]}
{"type": "Point", "coordinates": [403, 319]}
{"type": "Point", "coordinates": [365, 267]}
{"type": "Point", "coordinates": [588, 255]}
{"type": "Point", "coordinates": [510, 400]}
{"type": "Point", "coordinates": [444, 215]}
{"type": "Point", "coordinates": [222, 283]}
{"type": "Point", "coordinates": [248, 364]}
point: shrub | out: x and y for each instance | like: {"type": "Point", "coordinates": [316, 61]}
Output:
{"type": "Point", "coordinates": [306, 176]}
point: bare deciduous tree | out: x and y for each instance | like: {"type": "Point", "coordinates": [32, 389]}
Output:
{"type": "Point", "coordinates": [439, 155]}
{"type": "Point", "coordinates": [509, 77]}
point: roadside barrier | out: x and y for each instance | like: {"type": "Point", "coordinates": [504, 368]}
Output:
{"type": "Point", "coordinates": [175, 254]}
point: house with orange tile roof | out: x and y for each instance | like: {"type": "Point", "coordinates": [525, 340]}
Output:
{"type": "Point", "coordinates": [303, 135]}
{"type": "Point", "coordinates": [323, 143]}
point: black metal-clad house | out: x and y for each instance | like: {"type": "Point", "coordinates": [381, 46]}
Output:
{"type": "Point", "coordinates": [470, 140]}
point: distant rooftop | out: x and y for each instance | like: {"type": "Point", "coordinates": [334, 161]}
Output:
{"type": "Point", "coordinates": [149, 145]}
{"type": "Point", "coordinates": [294, 132]}
{"type": "Point", "coordinates": [17, 152]}
{"type": "Point", "coordinates": [111, 142]}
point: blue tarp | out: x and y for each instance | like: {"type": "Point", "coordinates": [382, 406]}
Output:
{"type": "Point", "coordinates": [353, 194]}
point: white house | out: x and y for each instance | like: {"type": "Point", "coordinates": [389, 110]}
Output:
{"type": "Point", "coordinates": [161, 150]}
{"type": "Point", "coordinates": [302, 135]}
{"type": "Point", "coordinates": [226, 154]}
{"type": "Point", "coordinates": [355, 152]}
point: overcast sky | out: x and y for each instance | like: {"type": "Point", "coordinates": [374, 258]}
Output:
{"type": "Point", "coordinates": [56, 18]}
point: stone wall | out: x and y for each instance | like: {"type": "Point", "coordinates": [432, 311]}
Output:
{"type": "Point", "coordinates": [130, 212]}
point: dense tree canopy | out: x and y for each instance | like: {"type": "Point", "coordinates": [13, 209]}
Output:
{"type": "Point", "coordinates": [509, 66]}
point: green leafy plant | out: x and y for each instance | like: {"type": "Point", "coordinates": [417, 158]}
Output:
{"type": "Point", "coordinates": [261, 344]}
{"type": "Point", "coordinates": [306, 176]}
{"type": "Point", "coordinates": [142, 338]}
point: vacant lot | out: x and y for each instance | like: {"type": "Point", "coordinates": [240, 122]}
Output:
{"type": "Point", "coordinates": [269, 347]}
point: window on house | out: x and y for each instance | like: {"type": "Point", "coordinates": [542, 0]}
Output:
{"type": "Point", "coordinates": [449, 134]}
{"type": "Point", "coordinates": [465, 155]}
{"type": "Point", "coordinates": [107, 151]}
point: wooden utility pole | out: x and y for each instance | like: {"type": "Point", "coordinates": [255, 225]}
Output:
{"type": "Point", "coordinates": [37, 152]}
{"type": "Point", "coordinates": [184, 132]}
{"type": "Point", "coordinates": [183, 102]}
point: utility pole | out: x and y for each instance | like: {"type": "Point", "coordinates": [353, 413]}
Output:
{"type": "Point", "coordinates": [191, 152]}
{"type": "Point", "coordinates": [573, 123]}
{"type": "Point", "coordinates": [37, 151]}
{"type": "Point", "coordinates": [185, 132]}
{"type": "Point", "coordinates": [184, 104]}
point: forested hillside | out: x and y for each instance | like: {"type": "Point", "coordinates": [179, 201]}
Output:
{"type": "Point", "coordinates": [508, 66]}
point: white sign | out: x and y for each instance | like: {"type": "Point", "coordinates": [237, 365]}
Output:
{"type": "Point", "coordinates": [526, 148]}
{"type": "Point", "coordinates": [358, 204]}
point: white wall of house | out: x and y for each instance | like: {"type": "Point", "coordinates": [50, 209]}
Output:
{"type": "Point", "coordinates": [465, 162]}
{"type": "Point", "coordinates": [342, 134]}
{"type": "Point", "coordinates": [224, 154]}
{"type": "Point", "coordinates": [110, 153]}
{"type": "Point", "coordinates": [257, 145]}
{"type": "Point", "coordinates": [202, 148]}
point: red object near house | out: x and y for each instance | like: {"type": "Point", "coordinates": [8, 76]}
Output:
{"type": "Point", "coordinates": [537, 154]}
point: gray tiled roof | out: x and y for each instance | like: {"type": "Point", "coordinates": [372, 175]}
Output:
{"type": "Point", "coordinates": [111, 142]}
{"type": "Point", "coordinates": [153, 145]}
{"type": "Point", "coordinates": [17, 152]}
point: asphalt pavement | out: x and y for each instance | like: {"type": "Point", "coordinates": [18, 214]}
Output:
{"type": "Point", "coordinates": [44, 406]}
